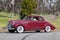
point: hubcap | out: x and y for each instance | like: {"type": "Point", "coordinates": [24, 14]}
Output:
{"type": "Point", "coordinates": [48, 29]}
{"type": "Point", "coordinates": [20, 29]}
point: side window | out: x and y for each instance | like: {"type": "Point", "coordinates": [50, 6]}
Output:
{"type": "Point", "coordinates": [27, 18]}
{"type": "Point", "coordinates": [41, 19]}
{"type": "Point", "coordinates": [35, 19]}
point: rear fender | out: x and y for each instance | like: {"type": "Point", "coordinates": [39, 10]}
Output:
{"type": "Point", "coordinates": [52, 27]}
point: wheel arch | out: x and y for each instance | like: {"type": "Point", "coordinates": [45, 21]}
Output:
{"type": "Point", "coordinates": [47, 25]}
{"type": "Point", "coordinates": [21, 25]}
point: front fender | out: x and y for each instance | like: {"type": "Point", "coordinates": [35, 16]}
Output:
{"type": "Point", "coordinates": [26, 27]}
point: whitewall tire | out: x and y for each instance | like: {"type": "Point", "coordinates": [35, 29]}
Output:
{"type": "Point", "coordinates": [47, 29]}
{"type": "Point", "coordinates": [20, 29]}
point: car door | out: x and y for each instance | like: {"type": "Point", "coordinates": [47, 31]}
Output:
{"type": "Point", "coordinates": [41, 23]}
{"type": "Point", "coordinates": [33, 24]}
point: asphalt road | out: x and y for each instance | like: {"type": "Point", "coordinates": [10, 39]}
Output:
{"type": "Point", "coordinates": [30, 36]}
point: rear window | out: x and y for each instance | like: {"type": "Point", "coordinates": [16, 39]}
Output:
{"type": "Point", "coordinates": [41, 19]}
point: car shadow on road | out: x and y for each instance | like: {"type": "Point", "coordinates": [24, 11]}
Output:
{"type": "Point", "coordinates": [25, 32]}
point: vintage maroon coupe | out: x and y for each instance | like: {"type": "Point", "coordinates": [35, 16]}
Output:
{"type": "Point", "coordinates": [30, 23]}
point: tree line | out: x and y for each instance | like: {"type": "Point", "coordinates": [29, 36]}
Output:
{"type": "Point", "coordinates": [27, 7]}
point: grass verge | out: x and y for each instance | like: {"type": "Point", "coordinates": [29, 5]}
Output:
{"type": "Point", "coordinates": [5, 17]}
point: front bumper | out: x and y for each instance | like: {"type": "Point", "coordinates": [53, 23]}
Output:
{"type": "Point", "coordinates": [10, 27]}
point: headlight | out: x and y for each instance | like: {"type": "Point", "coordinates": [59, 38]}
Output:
{"type": "Point", "coordinates": [12, 22]}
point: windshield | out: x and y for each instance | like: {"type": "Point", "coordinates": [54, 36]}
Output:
{"type": "Point", "coordinates": [27, 18]}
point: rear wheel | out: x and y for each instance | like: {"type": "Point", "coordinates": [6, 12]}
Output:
{"type": "Point", "coordinates": [20, 29]}
{"type": "Point", "coordinates": [11, 31]}
{"type": "Point", "coordinates": [47, 29]}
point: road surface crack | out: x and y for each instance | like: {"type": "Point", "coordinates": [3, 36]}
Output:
{"type": "Point", "coordinates": [26, 36]}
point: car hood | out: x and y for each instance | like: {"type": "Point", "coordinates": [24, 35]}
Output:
{"type": "Point", "coordinates": [20, 21]}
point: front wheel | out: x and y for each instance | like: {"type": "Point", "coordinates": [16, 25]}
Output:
{"type": "Point", "coordinates": [20, 29]}
{"type": "Point", "coordinates": [47, 29]}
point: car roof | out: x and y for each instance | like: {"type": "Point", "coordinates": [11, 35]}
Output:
{"type": "Point", "coordinates": [35, 16]}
